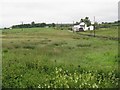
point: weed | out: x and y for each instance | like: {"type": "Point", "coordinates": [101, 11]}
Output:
{"type": "Point", "coordinates": [76, 37]}
{"type": "Point", "coordinates": [83, 45]}
{"type": "Point", "coordinates": [29, 47]}
{"type": "Point", "coordinates": [17, 46]}
{"type": "Point", "coordinates": [5, 51]}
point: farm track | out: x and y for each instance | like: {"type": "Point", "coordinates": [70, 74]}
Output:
{"type": "Point", "coordinates": [102, 37]}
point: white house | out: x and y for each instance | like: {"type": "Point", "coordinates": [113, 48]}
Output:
{"type": "Point", "coordinates": [82, 27]}
{"type": "Point", "coordinates": [76, 28]}
{"type": "Point", "coordinates": [91, 27]}
{"type": "Point", "coordinates": [10, 28]}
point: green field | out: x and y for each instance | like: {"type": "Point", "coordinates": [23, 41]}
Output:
{"type": "Point", "coordinates": [50, 58]}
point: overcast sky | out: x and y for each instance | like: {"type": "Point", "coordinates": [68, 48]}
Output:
{"type": "Point", "coordinates": [57, 11]}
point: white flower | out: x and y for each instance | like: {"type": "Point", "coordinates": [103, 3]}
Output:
{"type": "Point", "coordinates": [60, 69]}
{"type": "Point", "coordinates": [45, 85]}
{"type": "Point", "coordinates": [95, 86]}
{"type": "Point", "coordinates": [75, 81]}
{"type": "Point", "coordinates": [39, 86]}
{"type": "Point", "coordinates": [67, 86]}
{"type": "Point", "coordinates": [48, 86]}
{"type": "Point", "coordinates": [56, 72]}
{"type": "Point", "coordinates": [77, 78]}
{"type": "Point", "coordinates": [56, 68]}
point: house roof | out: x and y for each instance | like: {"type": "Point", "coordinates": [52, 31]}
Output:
{"type": "Point", "coordinates": [82, 23]}
{"type": "Point", "coordinates": [76, 26]}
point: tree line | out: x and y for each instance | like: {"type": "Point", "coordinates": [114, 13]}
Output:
{"type": "Point", "coordinates": [33, 24]}
{"type": "Point", "coordinates": [86, 20]}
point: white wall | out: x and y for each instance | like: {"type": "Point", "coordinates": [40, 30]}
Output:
{"type": "Point", "coordinates": [91, 27]}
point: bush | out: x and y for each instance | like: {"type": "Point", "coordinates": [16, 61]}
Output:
{"type": "Point", "coordinates": [5, 50]}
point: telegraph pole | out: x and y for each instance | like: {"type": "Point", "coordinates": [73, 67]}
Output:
{"type": "Point", "coordinates": [73, 26]}
{"type": "Point", "coordinates": [61, 26]}
{"type": "Point", "coordinates": [57, 25]}
{"type": "Point", "coordinates": [73, 23]}
{"type": "Point", "coordinates": [94, 26]}
{"type": "Point", "coordinates": [22, 25]}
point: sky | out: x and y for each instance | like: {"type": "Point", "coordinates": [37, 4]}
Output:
{"type": "Point", "coordinates": [15, 12]}
{"type": "Point", "coordinates": [119, 10]}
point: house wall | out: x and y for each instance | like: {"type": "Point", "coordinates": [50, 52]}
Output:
{"type": "Point", "coordinates": [85, 28]}
{"type": "Point", "coordinates": [91, 27]}
{"type": "Point", "coordinates": [76, 28]}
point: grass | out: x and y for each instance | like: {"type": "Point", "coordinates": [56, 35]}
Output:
{"type": "Point", "coordinates": [108, 32]}
{"type": "Point", "coordinates": [41, 57]}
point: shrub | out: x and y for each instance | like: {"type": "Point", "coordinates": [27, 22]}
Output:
{"type": "Point", "coordinates": [5, 50]}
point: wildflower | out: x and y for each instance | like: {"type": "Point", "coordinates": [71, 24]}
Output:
{"type": "Point", "coordinates": [56, 68]}
{"type": "Point", "coordinates": [71, 78]}
{"type": "Point", "coordinates": [89, 85]}
{"type": "Point", "coordinates": [77, 78]}
{"type": "Point", "coordinates": [39, 86]}
{"type": "Point", "coordinates": [80, 86]}
{"type": "Point", "coordinates": [45, 85]}
{"type": "Point", "coordinates": [56, 72]}
{"type": "Point", "coordinates": [95, 86]}
{"type": "Point", "coordinates": [75, 81]}
{"type": "Point", "coordinates": [48, 86]}
{"type": "Point", "coordinates": [64, 78]}
{"type": "Point", "coordinates": [74, 73]}
{"type": "Point", "coordinates": [55, 86]}
{"type": "Point", "coordinates": [67, 86]}
{"type": "Point", "coordinates": [117, 84]}
{"type": "Point", "coordinates": [66, 81]}
{"type": "Point", "coordinates": [60, 69]}
{"type": "Point", "coordinates": [66, 70]}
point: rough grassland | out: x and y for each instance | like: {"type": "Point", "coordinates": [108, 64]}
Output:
{"type": "Point", "coordinates": [49, 58]}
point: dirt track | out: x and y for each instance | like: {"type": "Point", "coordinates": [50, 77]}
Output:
{"type": "Point", "coordinates": [102, 37]}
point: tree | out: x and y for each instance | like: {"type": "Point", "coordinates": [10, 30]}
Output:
{"type": "Point", "coordinates": [96, 25]}
{"type": "Point", "coordinates": [53, 24]}
{"type": "Point", "coordinates": [43, 24]}
{"type": "Point", "coordinates": [82, 20]}
{"type": "Point", "coordinates": [86, 21]}
{"type": "Point", "coordinates": [33, 24]}
{"type": "Point", "coordinates": [76, 23]}
{"type": "Point", "coordinates": [102, 22]}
